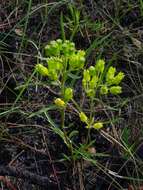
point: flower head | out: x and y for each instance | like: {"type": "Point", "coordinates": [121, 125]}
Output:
{"type": "Point", "coordinates": [98, 125]}
{"type": "Point", "coordinates": [42, 70]}
{"type": "Point", "coordinates": [116, 90]}
{"type": "Point", "coordinates": [100, 66]}
{"type": "Point", "coordinates": [104, 90]}
{"type": "Point", "coordinates": [59, 102]}
{"type": "Point", "coordinates": [83, 117]}
{"type": "Point", "coordinates": [118, 78]}
{"type": "Point", "coordinates": [68, 95]}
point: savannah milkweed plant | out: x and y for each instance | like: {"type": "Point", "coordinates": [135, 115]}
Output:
{"type": "Point", "coordinates": [63, 61]}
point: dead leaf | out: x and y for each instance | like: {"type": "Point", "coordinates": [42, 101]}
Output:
{"type": "Point", "coordinates": [19, 31]}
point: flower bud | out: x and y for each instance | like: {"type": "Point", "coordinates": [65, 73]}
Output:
{"type": "Point", "coordinates": [77, 60]}
{"type": "Point", "coordinates": [98, 125]}
{"type": "Point", "coordinates": [110, 75]}
{"type": "Point", "coordinates": [68, 48]}
{"type": "Point", "coordinates": [93, 82]}
{"type": "Point", "coordinates": [100, 66]}
{"type": "Point", "coordinates": [90, 92]}
{"type": "Point", "coordinates": [59, 41]}
{"type": "Point", "coordinates": [54, 63]}
{"type": "Point", "coordinates": [83, 117]}
{"type": "Point", "coordinates": [68, 94]}
{"type": "Point", "coordinates": [118, 78]}
{"type": "Point", "coordinates": [54, 48]}
{"type": "Point", "coordinates": [86, 75]}
{"type": "Point", "coordinates": [42, 70]}
{"type": "Point", "coordinates": [116, 90]}
{"type": "Point", "coordinates": [91, 70]}
{"type": "Point", "coordinates": [103, 90]}
{"type": "Point", "coordinates": [59, 102]}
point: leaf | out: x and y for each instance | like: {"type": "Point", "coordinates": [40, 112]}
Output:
{"type": "Point", "coordinates": [19, 31]}
{"type": "Point", "coordinates": [43, 110]}
{"type": "Point", "coordinates": [53, 124]}
{"type": "Point", "coordinates": [65, 157]}
{"type": "Point", "coordinates": [73, 76]}
{"type": "Point", "coordinates": [125, 136]}
{"type": "Point", "coordinates": [73, 133]}
{"type": "Point", "coordinates": [56, 129]}
{"type": "Point", "coordinates": [12, 110]}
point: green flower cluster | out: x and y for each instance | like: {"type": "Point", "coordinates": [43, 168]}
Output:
{"type": "Point", "coordinates": [55, 67]}
{"type": "Point", "coordinates": [58, 47]}
{"type": "Point", "coordinates": [91, 77]}
{"type": "Point", "coordinates": [97, 78]}
{"type": "Point", "coordinates": [113, 81]}
{"type": "Point", "coordinates": [61, 56]}
{"type": "Point", "coordinates": [111, 78]}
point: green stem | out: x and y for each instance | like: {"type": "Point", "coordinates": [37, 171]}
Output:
{"type": "Point", "coordinates": [62, 93]}
{"type": "Point", "coordinates": [76, 105]}
{"type": "Point", "coordinates": [67, 140]}
{"type": "Point", "coordinates": [63, 110]}
{"type": "Point", "coordinates": [62, 27]}
{"type": "Point", "coordinates": [88, 139]}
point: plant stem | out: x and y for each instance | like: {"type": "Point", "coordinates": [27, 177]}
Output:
{"type": "Point", "coordinates": [88, 139]}
{"type": "Point", "coordinates": [62, 95]}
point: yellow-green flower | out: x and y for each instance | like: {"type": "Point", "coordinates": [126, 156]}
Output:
{"type": "Point", "coordinates": [86, 75]}
{"type": "Point", "coordinates": [92, 71]}
{"type": "Point", "coordinates": [59, 102]}
{"type": "Point", "coordinates": [110, 75]}
{"type": "Point", "coordinates": [68, 94]}
{"type": "Point", "coordinates": [90, 92]}
{"type": "Point", "coordinates": [83, 117]}
{"type": "Point", "coordinates": [116, 90]}
{"type": "Point", "coordinates": [42, 70]}
{"type": "Point", "coordinates": [98, 125]}
{"type": "Point", "coordinates": [55, 63]}
{"type": "Point", "coordinates": [93, 82]}
{"type": "Point", "coordinates": [100, 65]}
{"type": "Point", "coordinates": [104, 90]}
{"type": "Point", "coordinates": [77, 60]}
{"type": "Point", "coordinates": [118, 78]}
